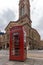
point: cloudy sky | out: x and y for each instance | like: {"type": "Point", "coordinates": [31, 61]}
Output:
{"type": "Point", "coordinates": [9, 11]}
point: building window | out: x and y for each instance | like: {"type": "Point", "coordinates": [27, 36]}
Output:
{"type": "Point", "coordinates": [7, 36]}
{"type": "Point", "coordinates": [29, 32]}
{"type": "Point", "coordinates": [22, 11]}
{"type": "Point", "coordinates": [29, 12]}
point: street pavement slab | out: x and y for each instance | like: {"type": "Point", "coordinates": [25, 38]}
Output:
{"type": "Point", "coordinates": [4, 59]}
{"type": "Point", "coordinates": [29, 61]}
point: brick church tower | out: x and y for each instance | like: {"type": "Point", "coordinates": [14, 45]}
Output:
{"type": "Point", "coordinates": [24, 19]}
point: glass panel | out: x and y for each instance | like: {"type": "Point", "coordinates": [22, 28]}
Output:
{"type": "Point", "coordinates": [16, 44]}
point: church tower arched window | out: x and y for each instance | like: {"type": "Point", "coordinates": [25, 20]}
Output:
{"type": "Point", "coordinates": [22, 11]}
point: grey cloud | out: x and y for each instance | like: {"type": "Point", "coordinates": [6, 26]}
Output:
{"type": "Point", "coordinates": [39, 27]}
{"type": "Point", "coordinates": [7, 16]}
{"type": "Point", "coordinates": [37, 16]}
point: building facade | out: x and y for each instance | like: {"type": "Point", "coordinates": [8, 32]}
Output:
{"type": "Point", "coordinates": [41, 45]}
{"type": "Point", "coordinates": [32, 36]}
{"type": "Point", "coordinates": [1, 40]}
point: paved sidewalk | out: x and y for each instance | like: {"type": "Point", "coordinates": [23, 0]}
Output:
{"type": "Point", "coordinates": [27, 62]}
{"type": "Point", "coordinates": [30, 61]}
{"type": "Point", "coordinates": [4, 60]}
{"type": "Point", "coordinates": [35, 54]}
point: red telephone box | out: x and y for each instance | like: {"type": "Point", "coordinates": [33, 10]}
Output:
{"type": "Point", "coordinates": [17, 44]}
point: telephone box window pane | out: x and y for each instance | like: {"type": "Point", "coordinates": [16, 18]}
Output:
{"type": "Point", "coordinates": [16, 44]}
